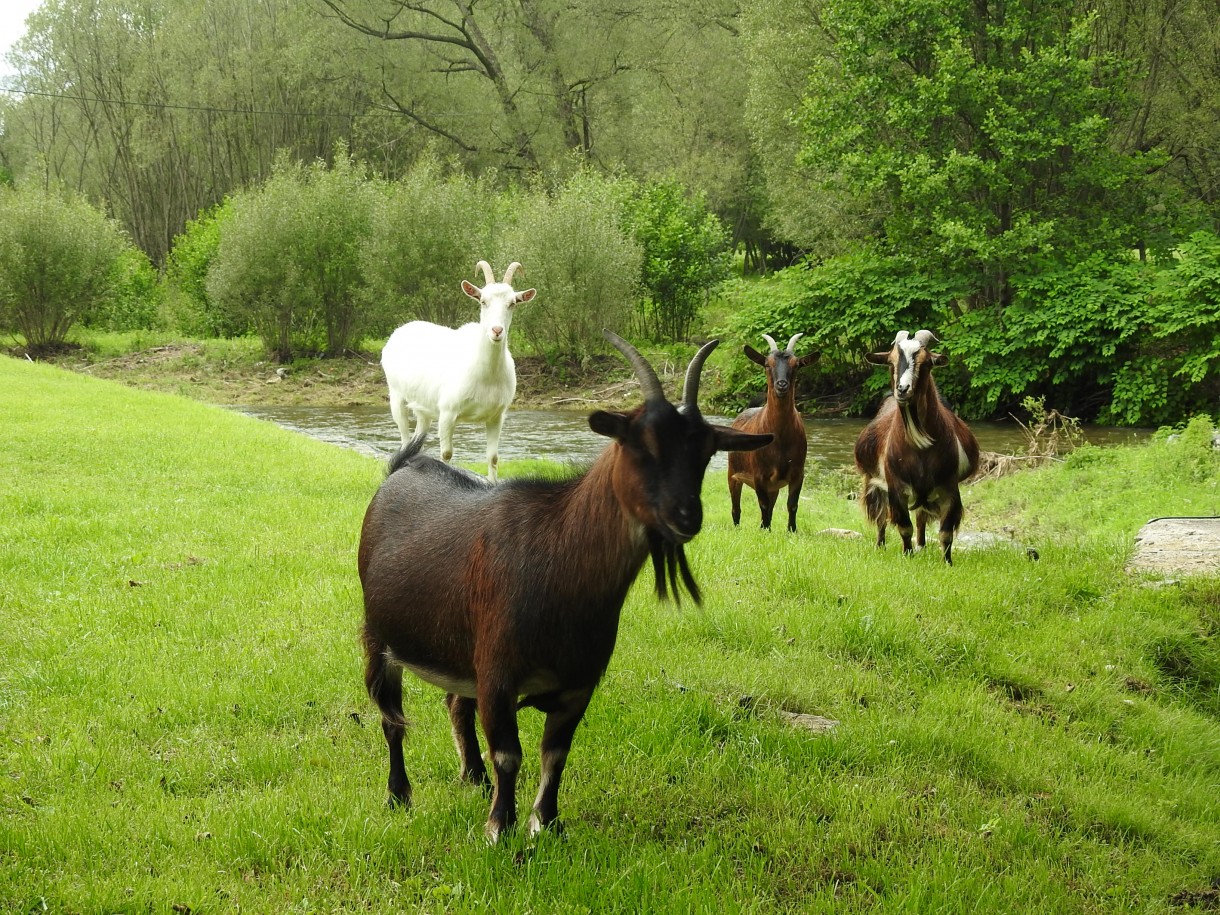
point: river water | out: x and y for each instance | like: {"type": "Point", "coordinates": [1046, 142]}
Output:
{"type": "Point", "coordinates": [564, 435]}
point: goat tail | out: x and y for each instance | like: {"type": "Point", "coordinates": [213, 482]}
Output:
{"type": "Point", "coordinates": [668, 563]}
{"type": "Point", "coordinates": [400, 457]}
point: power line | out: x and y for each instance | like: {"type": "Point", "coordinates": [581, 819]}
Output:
{"type": "Point", "coordinates": [162, 106]}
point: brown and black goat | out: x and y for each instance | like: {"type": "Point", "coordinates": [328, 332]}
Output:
{"type": "Point", "coordinates": [782, 463]}
{"type": "Point", "coordinates": [509, 595]}
{"type": "Point", "coordinates": [916, 451]}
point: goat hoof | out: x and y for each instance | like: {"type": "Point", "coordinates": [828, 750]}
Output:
{"type": "Point", "coordinates": [537, 826]}
{"type": "Point", "coordinates": [398, 802]}
{"type": "Point", "coordinates": [495, 829]}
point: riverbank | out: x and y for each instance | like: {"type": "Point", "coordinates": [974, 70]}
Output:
{"type": "Point", "coordinates": [237, 373]}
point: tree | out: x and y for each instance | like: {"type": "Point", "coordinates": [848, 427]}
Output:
{"type": "Point", "coordinates": [59, 259]}
{"type": "Point", "coordinates": [983, 132]}
{"type": "Point", "coordinates": [289, 257]}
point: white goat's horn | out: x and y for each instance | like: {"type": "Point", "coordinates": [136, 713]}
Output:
{"type": "Point", "coordinates": [901, 336]}
{"type": "Point", "coordinates": [488, 276]}
{"type": "Point", "coordinates": [771, 343]}
{"type": "Point", "coordinates": [792, 342]}
{"type": "Point", "coordinates": [649, 383]}
{"type": "Point", "coordinates": [508, 274]}
{"type": "Point", "coordinates": [926, 338]}
{"type": "Point", "coordinates": [690, 390]}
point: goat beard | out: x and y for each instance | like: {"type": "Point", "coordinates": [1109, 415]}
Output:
{"type": "Point", "coordinates": [668, 562]}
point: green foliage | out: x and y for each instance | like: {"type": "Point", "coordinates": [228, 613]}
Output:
{"type": "Point", "coordinates": [584, 264]}
{"type": "Point", "coordinates": [59, 261]}
{"type": "Point", "coordinates": [685, 256]}
{"type": "Point", "coordinates": [846, 307]}
{"type": "Point", "coordinates": [135, 302]}
{"type": "Point", "coordinates": [429, 230]}
{"type": "Point", "coordinates": [981, 132]}
{"type": "Point", "coordinates": [186, 273]}
{"type": "Point", "coordinates": [289, 259]}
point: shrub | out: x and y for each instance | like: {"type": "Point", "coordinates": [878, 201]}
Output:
{"type": "Point", "coordinates": [186, 272]}
{"type": "Point", "coordinates": [136, 295]}
{"type": "Point", "coordinates": [428, 232]}
{"type": "Point", "coordinates": [585, 266]}
{"type": "Point", "coordinates": [289, 257]}
{"type": "Point", "coordinates": [59, 259]}
{"type": "Point", "coordinates": [685, 256]}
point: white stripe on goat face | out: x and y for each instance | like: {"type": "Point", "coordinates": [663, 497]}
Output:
{"type": "Point", "coordinates": [907, 370]}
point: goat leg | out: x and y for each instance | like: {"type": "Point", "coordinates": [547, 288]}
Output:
{"type": "Point", "coordinates": [900, 517]}
{"type": "Point", "coordinates": [498, 713]}
{"type": "Point", "coordinates": [766, 502]}
{"type": "Point", "coordinates": [383, 678]}
{"type": "Point", "coordinates": [949, 524]}
{"type": "Point", "coordinates": [556, 742]}
{"type": "Point", "coordinates": [735, 497]}
{"type": "Point", "coordinates": [794, 496]}
{"type": "Point", "coordinates": [461, 717]}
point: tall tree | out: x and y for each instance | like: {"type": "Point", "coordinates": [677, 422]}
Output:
{"type": "Point", "coordinates": [983, 127]}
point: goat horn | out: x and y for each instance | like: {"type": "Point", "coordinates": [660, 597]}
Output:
{"type": "Point", "coordinates": [901, 336]}
{"type": "Point", "coordinates": [792, 342]}
{"type": "Point", "coordinates": [649, 383]}
{"type": "Point", "coordinates": [488, 276]}
{"type": "Point", "coordinates": [508, 274]}
{"type": "Point", "coordinates": [690, 390]}
{"type": "Point", "coordinates": [925, 338]}
{"type": "Point", "coordinates": [771, 343]}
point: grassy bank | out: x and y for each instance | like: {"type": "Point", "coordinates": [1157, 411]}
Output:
{"type": "Point", "coordinates": [183, 725]}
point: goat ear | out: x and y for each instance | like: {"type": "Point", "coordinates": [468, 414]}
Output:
{"type": "Point", "coordinates": [732, 440]}
{"type": "Point", "coordinates": [754, 355]}
{"type": "Point", "coordinates": [878, 358]}
{"type": "Point", "coordinates": [939, 358]}
{"type": "Point", "coordinates": [808, 359]}
{"type": "Point", "coordinates": [472, 290]}
{"type": "Point", "coordinates": [527, 295]}
{"type": "Point", "coordinates": [612, 425]}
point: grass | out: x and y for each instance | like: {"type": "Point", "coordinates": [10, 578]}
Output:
{"type": "Point", "coordinates": [183, 725]}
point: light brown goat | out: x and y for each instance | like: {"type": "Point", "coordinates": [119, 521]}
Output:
{"type": "Point", "coordinates": [782, 463]}
{"type": "Point", "coordinates": [916, 451]}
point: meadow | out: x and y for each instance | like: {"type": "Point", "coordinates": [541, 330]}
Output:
{"type": "Point", "coordinates": [183, 724]}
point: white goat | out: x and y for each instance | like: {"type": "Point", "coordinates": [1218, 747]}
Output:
{"type": "Point", "coordinates": [467, 374]}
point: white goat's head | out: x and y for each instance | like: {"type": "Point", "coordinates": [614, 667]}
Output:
{"type": "Point", "coordinates": [497, 300]}
{"type": "Point", "coordinates": [909, 358]}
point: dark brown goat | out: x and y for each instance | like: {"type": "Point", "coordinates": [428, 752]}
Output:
{"type": "Point", "coordinates": [782, 463]}
{"type": "Point", "coordinates": [509, 595]}
{"type": "Point", "coordinates": [916, 451]}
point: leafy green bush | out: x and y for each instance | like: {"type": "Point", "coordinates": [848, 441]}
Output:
{"type": "Point", "coordinates": [186, 272]}
{"type": "Point", "coordinates": [846, 307]}
{"type": "Point", "coordinates": [585, 266]}
{"type": "Point", "coordinates": [289, 259]}
{"type": "Point", "coordinates": [686, 255]}
{"type": "Point", "coordinates": [136, 297]}
{"type": "Point", "coordinates": [59, 260]}
{"type": "Point", "coordinates": [428, 232]}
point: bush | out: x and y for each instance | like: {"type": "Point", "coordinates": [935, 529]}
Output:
{"type": "Point", "coordinates": [289, 258]}
{"type": "Point", "coordinates": [585, 266]}
{"type": "Point", "coordinates": [846, 307]}
{"type": "Point", "coordinates": [59, 260]}
{"type": "Point", "coordinates": [186, 273]}
{"type": "Point", "coordinates": [428, 232]}
{"type": "Point", "coordinates": [136, 296]}
{"type": "Point", "coordinates": [685, 256]}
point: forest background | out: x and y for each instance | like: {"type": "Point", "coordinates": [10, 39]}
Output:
{"type": "Point", "coordinates": [1037, 182]}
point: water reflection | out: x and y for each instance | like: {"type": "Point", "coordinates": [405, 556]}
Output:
{"type": "Point", "coordinates": [564, 436]}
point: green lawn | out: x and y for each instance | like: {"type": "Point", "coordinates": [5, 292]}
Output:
{"type": "Point", "coordinates": [183, 725]}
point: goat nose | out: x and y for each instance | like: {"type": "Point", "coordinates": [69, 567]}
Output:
{"type": "Point", "coordinates": [497, 331]}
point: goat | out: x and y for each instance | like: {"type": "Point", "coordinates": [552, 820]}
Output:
{"type": "Point", "coordinates": [782, 463]}
{"type": "Point", "coordinates": [509, 595]}
{"type": "Point", "coordinates": [915, 452]}
{"type": "Point", "coordinates": [446, 375]}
